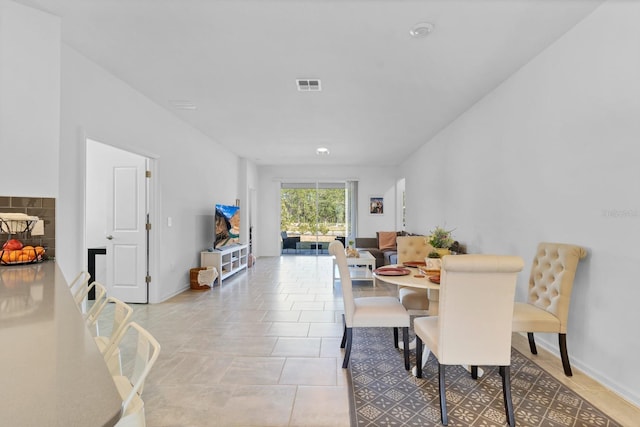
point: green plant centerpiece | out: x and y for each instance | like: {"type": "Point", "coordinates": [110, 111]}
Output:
{"type": "Point", "coordinates": [433, 254]}
{"type": "Point", "coordinates": [441, 240]}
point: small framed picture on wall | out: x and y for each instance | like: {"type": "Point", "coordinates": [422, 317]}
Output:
{"type": "Point", "coordinates": [376, 205]}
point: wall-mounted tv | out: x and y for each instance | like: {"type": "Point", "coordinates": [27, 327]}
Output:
{"type": "Point", "coordinates": [227, 225]}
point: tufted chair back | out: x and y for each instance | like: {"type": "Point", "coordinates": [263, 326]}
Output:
{"type": "Point", "coordinates": [415, 248]}
{"type": "Point", "coordinates": [551, 279]}
{"type": "Point", "coordinates": [412, 248]}
{"type": "Point", "coordinates": [550, 285]}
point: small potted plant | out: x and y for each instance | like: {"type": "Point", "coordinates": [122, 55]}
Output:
{"type": "Point", "coordinates": [433, 261]}
{"type": "Point", "coordinates": [441, 240]}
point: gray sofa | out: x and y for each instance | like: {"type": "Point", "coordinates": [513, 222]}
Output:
{"type": "Point", "coordinates": [370, 244]}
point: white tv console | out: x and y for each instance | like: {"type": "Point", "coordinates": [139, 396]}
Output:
{"type": "Point", "coordinates": [227, 260]}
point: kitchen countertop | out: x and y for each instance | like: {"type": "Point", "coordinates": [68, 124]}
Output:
{"type": "Point", "coordinates": [51, 370]}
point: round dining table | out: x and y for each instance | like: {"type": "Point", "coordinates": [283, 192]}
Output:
{"type": "Point", "coordinates": [414, 279]}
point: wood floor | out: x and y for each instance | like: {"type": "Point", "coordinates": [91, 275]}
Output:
{"type": "Point", "coordinates": [263, 350]}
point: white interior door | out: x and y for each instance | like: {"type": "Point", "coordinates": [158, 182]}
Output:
{"type": "Point", "coordinates": [125, 236]}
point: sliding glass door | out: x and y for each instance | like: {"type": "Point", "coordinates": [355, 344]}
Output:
{"type": "Point", "coordinates": [312, 215]}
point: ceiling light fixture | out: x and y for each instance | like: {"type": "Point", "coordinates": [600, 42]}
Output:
{"type": "Point", "coordinates": [322, 151]}
{"type": "Point", "coordinates": [422, 29]}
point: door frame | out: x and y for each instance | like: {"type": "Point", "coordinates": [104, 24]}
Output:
{"type": "Point", "coordinates": [153, 294]}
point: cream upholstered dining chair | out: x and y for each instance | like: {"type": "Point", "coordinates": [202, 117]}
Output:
{"type": "Point", "coordinates": [380, 312]}
{"type": "Point", "coordinates": [130, 386]}
{"type": "Point", "coordinates": [550, 285]}
{"type": "Point", "coordinates": [473, 326]}
{"type": "Point", "coordinates": [115, 314]}
{"type": "Point", "coordinates": [413, 248]}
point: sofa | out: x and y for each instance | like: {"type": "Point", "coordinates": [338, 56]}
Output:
{"type": "Point", "coordinates": [382, 247]}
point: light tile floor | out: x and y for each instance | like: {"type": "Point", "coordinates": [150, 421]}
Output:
{"type": "Point", "coordinates": [264, 350]}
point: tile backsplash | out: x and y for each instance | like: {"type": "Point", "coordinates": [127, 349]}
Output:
{"type": "Point", "coordinates": [42, 207]}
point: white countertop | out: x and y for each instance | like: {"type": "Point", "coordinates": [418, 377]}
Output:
{"type": "Point", "coordinates": [51, 371]}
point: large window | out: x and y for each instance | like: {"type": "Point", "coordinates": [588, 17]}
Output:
{"type": "Point", "coordinates": [314, 214]}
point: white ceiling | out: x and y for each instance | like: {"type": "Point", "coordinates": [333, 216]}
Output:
{"type": "Point", "coordinates": [384, 94]}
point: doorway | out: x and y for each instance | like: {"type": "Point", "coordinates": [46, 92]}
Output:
{"type": "Point", "coordinates": [117, 201]}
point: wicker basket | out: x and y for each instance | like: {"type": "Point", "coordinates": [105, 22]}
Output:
{"type": "Point", "coordinates": [193, 279]}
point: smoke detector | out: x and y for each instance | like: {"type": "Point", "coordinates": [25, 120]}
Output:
{"type": "Point", "coordinates": [308, 85]}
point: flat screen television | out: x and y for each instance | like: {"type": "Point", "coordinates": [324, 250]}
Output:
{"type": "Point", "coordinates": [227, 225]}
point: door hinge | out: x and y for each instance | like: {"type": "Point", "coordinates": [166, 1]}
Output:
{"type": "Point", "coordinates": [147, 174]}
{"type": "Point", "coordinates": [147, 226]}
{"type": "Point", "coordinates": [147, 279]}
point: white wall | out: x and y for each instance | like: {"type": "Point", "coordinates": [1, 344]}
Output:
{"type": "Point", "coordinates": [29, 101]}
{"type": "Point", "coordinates": [553, 155]}
{"type": "Point", "coordinates": [191, 173]}
{"type": "Point", "coordinates": [373, 181]}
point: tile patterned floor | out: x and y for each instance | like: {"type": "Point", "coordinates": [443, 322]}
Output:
{"type": "Point", "coordinates": [263, 350]}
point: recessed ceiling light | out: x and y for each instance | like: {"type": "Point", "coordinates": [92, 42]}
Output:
{"type": "Point", "coordinates": [422, 29]}
{"type": "Point", "coordinates": [322, 151]}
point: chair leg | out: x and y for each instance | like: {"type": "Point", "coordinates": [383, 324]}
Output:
{"type": "Point", "coordinates": [347, 351]}
{"type": "Point", "coordinates": [344, 333]}
{"type": "Point", "coordinates": [506, 393]}
{"type": "Point", "coordinates": [474, 372]}
{"type": "Point", "coordinates": [562, 343]}
{"type": "Point", "coordinates": [532, 343]}
{"type": "Point", "coordinates": [418, 357]}
{"type": "Point", "coordinates": [443, 398]}
{"type": "Point", "coordinates": [405, 341]}
{"type": "Point", "coordinates": [395, 338]}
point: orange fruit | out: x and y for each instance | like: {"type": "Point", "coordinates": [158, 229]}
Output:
{"type": "Point", "coordinates": [39, 250]}
{"type": "Point", "coordinates": [14, 255]}
{"type": "Point", "coordinates": [24, 257]}
{"type": "Point", "coordinates": [29, 250]}
{"type": "Point", "coordinates": [5, 256]}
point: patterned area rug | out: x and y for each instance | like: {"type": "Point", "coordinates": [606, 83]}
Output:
{"type": "Point", "coordinates": [384, 394]}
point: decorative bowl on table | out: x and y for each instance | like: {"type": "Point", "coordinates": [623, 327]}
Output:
{"type": "Point", "coordinates": [392, 271]}
{"type": "Point", "coordinates": [414, 264]}
{"type": "Point", "coordinates": [429, 271]}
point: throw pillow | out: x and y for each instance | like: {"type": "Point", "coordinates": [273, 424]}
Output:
{"type": "Point", "coordinates": [387, 240]}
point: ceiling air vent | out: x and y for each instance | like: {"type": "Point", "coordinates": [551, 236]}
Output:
{"type": "Point", "coordinates": [307, 85]}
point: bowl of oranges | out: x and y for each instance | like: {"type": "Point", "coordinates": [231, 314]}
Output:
{"type": "Point", "coordinates": [14, 252]}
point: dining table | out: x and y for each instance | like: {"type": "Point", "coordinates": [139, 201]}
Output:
{"type": "Point", "coordinates": [52, 371]}
{"type": "Point", "coordinates": [414, 277]}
